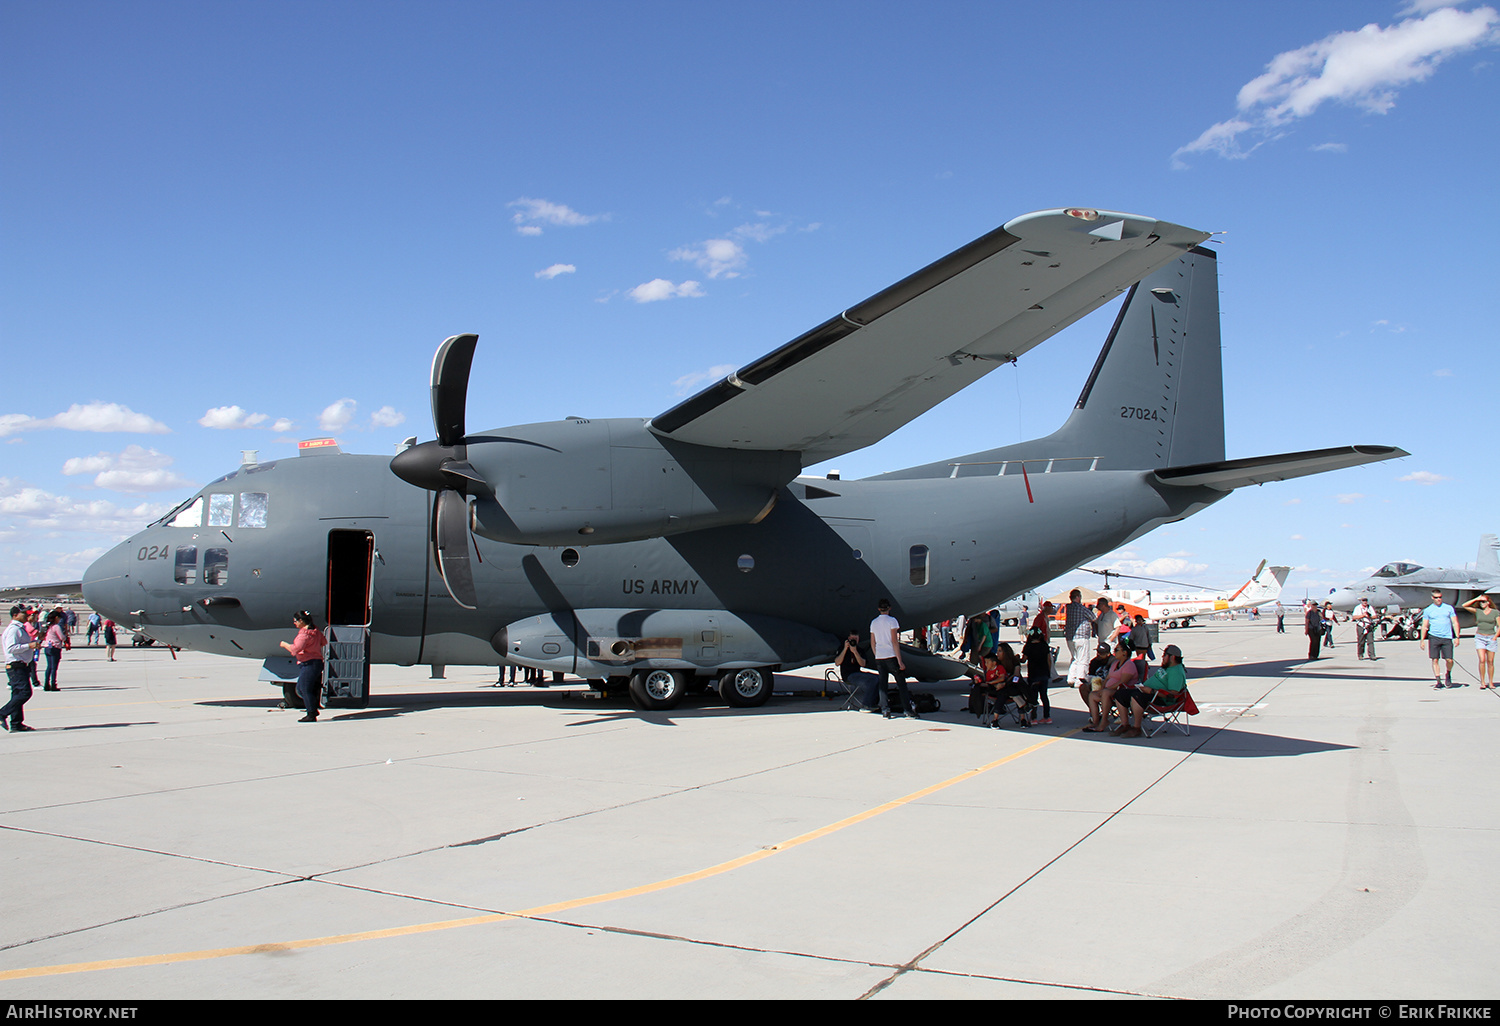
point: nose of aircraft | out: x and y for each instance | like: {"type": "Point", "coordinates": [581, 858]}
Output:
{"type": "Point", "coordinates": [1344, 600]}
{"type": "Point", "coordinates": [107, 584]}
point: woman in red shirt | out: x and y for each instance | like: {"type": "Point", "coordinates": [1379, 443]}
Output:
{"type": "Point", "coordinates": [307, 649]}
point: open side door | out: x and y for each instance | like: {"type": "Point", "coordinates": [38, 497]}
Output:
{"type": "Point", "coordinates": [346, 681]}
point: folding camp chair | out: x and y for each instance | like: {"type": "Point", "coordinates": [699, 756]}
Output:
{"type": "Point", "coordinates": [1168, 708]}
{"type": "Point", "coordinates": [1006, 707]}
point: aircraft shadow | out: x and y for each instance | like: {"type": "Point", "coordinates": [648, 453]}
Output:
{"type": "Point", "coordinates": [93, 687]}
{"type": "Point", "coordinates": [1300, 668]}
{"type": "Point", "coordinates": [1225, 742]}
{"type": "Point", "coordinates": [98, 726]}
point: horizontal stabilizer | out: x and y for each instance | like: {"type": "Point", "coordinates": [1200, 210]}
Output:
{"type": "Point", "coordinates": [1231, 474]}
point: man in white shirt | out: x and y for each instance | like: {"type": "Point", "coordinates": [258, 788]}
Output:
{"type": "Point", "coordinates": [887, 649]}
{"type": "Point", "coordinates": [20, 653]}
{"type": "Point", "coordinates": [1364, 619]}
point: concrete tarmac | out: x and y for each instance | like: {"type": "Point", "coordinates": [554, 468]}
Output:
{"type": "Point", "coordinates": [1325, 831]}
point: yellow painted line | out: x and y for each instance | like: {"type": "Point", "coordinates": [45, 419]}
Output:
{"type": "Point", "coordinates": [530, 913]}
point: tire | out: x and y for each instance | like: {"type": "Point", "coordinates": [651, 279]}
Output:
{"type": "Point", "coordinates": [657, 690]}
{"type": "Point", "coordinates": [746, 688]}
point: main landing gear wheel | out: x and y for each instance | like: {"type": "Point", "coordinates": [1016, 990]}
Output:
{"type": "Point", "coordinates": [745, 688]}
{"type": "Point", "coordinates": [657, 690]}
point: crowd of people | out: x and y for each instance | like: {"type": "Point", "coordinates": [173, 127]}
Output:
{"type": "Point", "coordinates": [34, 644]}
{"type": "Point", "coordinates": [1108, 660]}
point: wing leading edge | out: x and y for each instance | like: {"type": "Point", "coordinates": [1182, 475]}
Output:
{"type": "Point", "coordinates": [878, 365]}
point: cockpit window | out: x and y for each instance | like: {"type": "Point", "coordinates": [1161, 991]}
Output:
{"type": "Point", "coordinates": [190, 515]}
{"type": "Point", "coordinates": [221, 509]}
{"type": "Point", "coordinates": [252, 509]}
{"type": "Point", "coordinates": [1397, 570]}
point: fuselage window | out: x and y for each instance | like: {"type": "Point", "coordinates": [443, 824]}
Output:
{"type": "Point", "coordinates": [216, 566]}
{"type": "Point", "coordinates": [252, 509]}
{"type": "Point", "coordinates": [746, 564]}
{"type": "Point", "coordinates": [192, 516]}
{"type": "Point", "coordinates": [221, 509]}
{"type": "Point", "coordinates": [570, 557]}
{"type": "Point", "coordinates": [919, 565]}
{"type": "Point", "coordinates": [187, 564]}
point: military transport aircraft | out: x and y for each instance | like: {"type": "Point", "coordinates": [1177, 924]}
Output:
{"type": "Point", "coordinates": [684, 549]}
{"type": "Point", "coordinates": [1410, 585]}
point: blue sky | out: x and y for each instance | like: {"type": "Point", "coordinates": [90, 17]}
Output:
{"type": "Point", "coordinates": [228, 226]}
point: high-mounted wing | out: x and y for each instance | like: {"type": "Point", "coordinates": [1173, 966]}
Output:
{"type": "Point", "coordinates": [856, 378]}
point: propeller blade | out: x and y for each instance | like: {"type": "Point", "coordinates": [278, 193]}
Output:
{"type": "Point", "coordinates": [450, 540]}
{"type": "Point", "coordinates": [450, 387]}
{"type": "Point", "coordinates": [465, 474]}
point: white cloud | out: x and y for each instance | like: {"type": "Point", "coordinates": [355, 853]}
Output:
{"type": "Point", "coordinates": [387, 416]}
{"type": "Point", "coordinates": [556, 269]}
{"type": "Point", "coordinates": [1424, 477]}
{"type": "Point", "coordinates": [760, 232]}
{"type": "Point", "coordinates": [659, 288]}
{"type": "Point", "coordinates": [35, 510]}
{"type": "Point", "coordinates": [532, 214]}
{"type": "Point", "coordinates": [225, 418]}
{"type": "Point", "coordinates": [134, 469]}
{"type": "Point", "coordinates": [1349, 498]}
{"type": "Point", "coordinates": [283, 425]}
{"type": "Point", "coordinates": [1363, 68]}
{"type": "Point", "coordinates": [1331, 147]}
{"type": "Point", "coordinates": [336, 416]}
{"type": "Point", "coordinates": [717, 258]}
{"type": "Point", "coordinates": [95, 416]}
{"type": "Point", "coordinates": [688, 382]}
{"type": "Point", "coordinates": [726, 257]}
{"type": "Point", "coordinates": [1175, 565]}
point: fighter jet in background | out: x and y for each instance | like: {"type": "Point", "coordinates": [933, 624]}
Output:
{"type": "Point", "coordinates": [1410, 585]}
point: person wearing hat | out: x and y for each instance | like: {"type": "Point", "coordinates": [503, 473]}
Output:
{"type": "Point", "coordinates": [1120, 671]}
{"type": "Point", "coordinates": [1132, 701]}
{"type": "Point", "coordinates": [307, 649]}
{"type": "Point", "coordinates": [20, 659]}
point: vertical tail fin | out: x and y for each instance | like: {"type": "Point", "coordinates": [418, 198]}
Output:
{"type": "Point", "coordinates": [1265, 586]}
{"type": "Point", "coordinates": [1156, 394]}
{"type": "Point", "coordinates": [1155, 398]}
{"type": "Point", "coordinates": [1489, 555]}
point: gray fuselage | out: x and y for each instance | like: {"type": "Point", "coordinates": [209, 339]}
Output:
{"type": "Point", "coordinates": [822, 558]}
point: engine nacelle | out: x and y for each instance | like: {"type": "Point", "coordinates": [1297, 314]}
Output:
{"type": "Point", "coordinates": [589, 482]}
{"type": "Point", "coordinates": [617, 642]}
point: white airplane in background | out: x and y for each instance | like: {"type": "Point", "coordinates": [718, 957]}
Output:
{"type": "Point", "coordinates": [1178, 609]}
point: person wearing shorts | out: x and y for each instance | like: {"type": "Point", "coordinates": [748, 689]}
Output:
{"type": "Point", "coordinates": [1440, 631]}
{"type": "Point", "coordinates": [1486, 617]}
